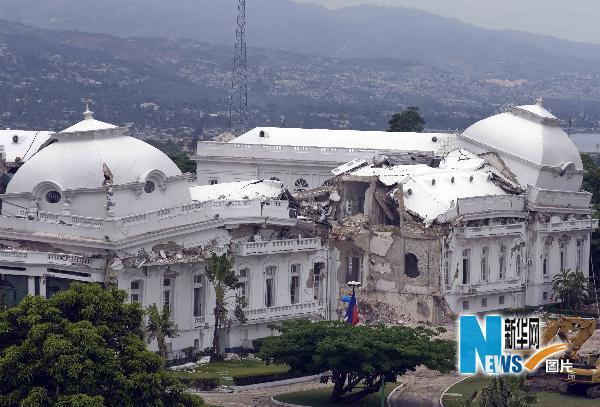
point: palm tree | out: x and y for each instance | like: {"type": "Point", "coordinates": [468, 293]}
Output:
{"type": "Point", "coordinates": [160, 327]}
{"type": "Point", "coordinates": [572, 288]}
{"type": "Point", "coordinates": [220, 273]}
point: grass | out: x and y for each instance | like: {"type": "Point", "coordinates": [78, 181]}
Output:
{"type": "Point", "coordinates": [468, 386]}
{"type": "Point", "coordinates": [225, 371]}
{"type": "Point", "coordinates": [320, 397]}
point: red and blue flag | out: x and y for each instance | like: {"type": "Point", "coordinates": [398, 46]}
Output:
{"type": "Point", "coordinates": [352, 311]}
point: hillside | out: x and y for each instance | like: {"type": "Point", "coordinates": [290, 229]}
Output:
{"type": "Point", "coordinates": [352, 32]}
{"type": "Point", "coordinates": [180, 87]}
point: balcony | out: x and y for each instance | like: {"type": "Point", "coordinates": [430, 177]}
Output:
{"type": "Point", "coordinates": [117, 229]}
{"type": "Point", "coordinates": [278, 246]}
{"type": "Point", "coordinates": [566, 226]}
{"type": "Point", "coordinates": [517, 229]}
{"type": "Point", "coordinates": [285, 311]}
{"type": "Point", "coordinates": [45, 258]}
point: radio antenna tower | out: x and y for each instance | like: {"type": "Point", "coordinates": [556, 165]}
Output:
{"type": "Point", "coordinates": [238, 100]}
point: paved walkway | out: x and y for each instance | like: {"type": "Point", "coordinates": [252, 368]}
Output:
{"type": "Point", "coordinates": [423, 388]}
{"type": "Point", "coordinates": [255, 398]}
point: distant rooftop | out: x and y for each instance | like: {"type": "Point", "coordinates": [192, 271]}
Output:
{"type": "Point", "coordinates": [376, 140]}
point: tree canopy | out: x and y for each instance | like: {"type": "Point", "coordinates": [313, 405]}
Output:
{"type": "Point", "coordinates": [409, 121]}
{"type": "Point", "coordinates": [357, 355]}
{"type": "Point", "coordinates": [82, 347]}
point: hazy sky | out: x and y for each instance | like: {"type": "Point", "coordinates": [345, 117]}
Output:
{"type": "Point", "coordinates": [572, 19]}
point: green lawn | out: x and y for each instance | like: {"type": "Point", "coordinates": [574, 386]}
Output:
{"type": "Point", "coordinates": [468, 386]}
{"type": "Point", "coordinates": [320, 397]}
{"type": "Point", "coordinates": [226, 371]}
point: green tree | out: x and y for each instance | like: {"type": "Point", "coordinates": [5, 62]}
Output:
{"type": "Point", "coordinates": [591, 183]}
{"type": "Point", "coordinates": [82, 347]}
{"type": "Point", "coordinates": [357, 355]}
{"type": "Point", "coordinates": [505, 392]}
{"type": "Point", "coordinates": [176, 154]}
{"type": "Point", "coordinates": [409, 120]}
{"type": "Point", "coordinates": [220, 273]}
{"type": "Point", "coordinates": [160, 327]}
{"type": "Point", "coordinates": [572, 288]}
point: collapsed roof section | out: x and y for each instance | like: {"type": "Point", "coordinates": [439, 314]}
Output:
{"type": "Point", "coordinates": [430, 194]}
{"type": "Point", "coordinates": [243, 190]}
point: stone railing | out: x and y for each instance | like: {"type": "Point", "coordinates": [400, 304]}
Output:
{"type": "Point", "coordinates": [267, 151]}
{"type": "Point", "coordinates": [109, 229]}
{"type": "Point", "coordinates": [62, 259]}
{"type": "Point", "coordinates": [567, 225]}
{"type": "Point", "coordinates": [284, 311]}
{"type": "Point", "coordinates": [277, 246]}
{"type": "Point", "coordinates": [470, 232]}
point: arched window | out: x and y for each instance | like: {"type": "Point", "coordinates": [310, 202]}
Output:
{"type": "Point", "coordinates": [300, 184]}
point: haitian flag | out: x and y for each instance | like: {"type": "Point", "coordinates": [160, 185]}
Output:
{"type": "Point", "coordinates": [352, 311]}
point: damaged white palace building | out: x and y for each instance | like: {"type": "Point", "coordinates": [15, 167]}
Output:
{"type": "Point", "coordinates": [435, 225]}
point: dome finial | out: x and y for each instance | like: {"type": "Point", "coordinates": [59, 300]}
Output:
{"type": "Point", "coordinates": [88, 114]}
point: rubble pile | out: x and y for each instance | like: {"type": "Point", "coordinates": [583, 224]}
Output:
{"type": "Point", "coordinates": [349, 227]}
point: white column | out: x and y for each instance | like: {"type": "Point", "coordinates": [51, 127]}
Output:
{"type": "Point", "coordinates": [43, 286]}
{"type": "Point", "coordinates": [31, 285]}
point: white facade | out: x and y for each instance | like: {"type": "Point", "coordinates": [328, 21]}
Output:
{"type": "Point", "coordinates": [100, 206]}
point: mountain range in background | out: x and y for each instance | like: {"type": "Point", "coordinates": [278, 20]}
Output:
{"type": "Point", "coordinates": [309, 66]}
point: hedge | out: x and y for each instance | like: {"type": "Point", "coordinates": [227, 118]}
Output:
{"type": "Point", "coordinates": [203, 384]}
{"type": "Point", "coordinates": [245, 380]}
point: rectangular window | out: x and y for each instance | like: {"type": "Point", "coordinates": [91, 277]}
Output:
{"type": "Point", "coordinates": [213, 182]}
{"type": "Point", "coordinates": [167, 299]}
{"type": "Point", "coordinates": [485, 269]}
{"type": "Point", "coordinates": [501, 300]}
{"type": "Point", "coordinates": [563, 256]}
{"type": "Point", "coordinates": [502, 263]}
{"type": "Point", "coordinates": [244, 287]}
{"type": "Point", "coordinates": [168, 296]}
{"type": "Point", "coordinates": [466, 267]}
{"type": "Point", "coordinates": [579, 255]}
{"type": "Point", "coordinates": [447, 257]}
{"type": "Point", "coordinates": [484, 302]}
{"type": "Point", "coordinates": [546, 260]}
{"type": "Point", "coordinates": [544, 296]}
{"type": "Point", "coordinates": [465, 304]}
{"type": "Point", "coordinates": [317, 276]}
{"type": "Point", "coordinates": [353, 268]}
{"type": "Point", "coordinates": [136, 292]}
{"type": "Point", "coordinates": [295, 283]}
{"type": "Point", "coordinates": [198, 287]}
{"type": "Point", "coordinates": [270, 286]}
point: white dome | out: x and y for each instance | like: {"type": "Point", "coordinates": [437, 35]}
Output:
{"type": "Point", "coordinates": [78, 164]}
{"type": "Point", "coordinates": [530, 141]}
{"type": "Point", "coordinates": [92, 156]}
